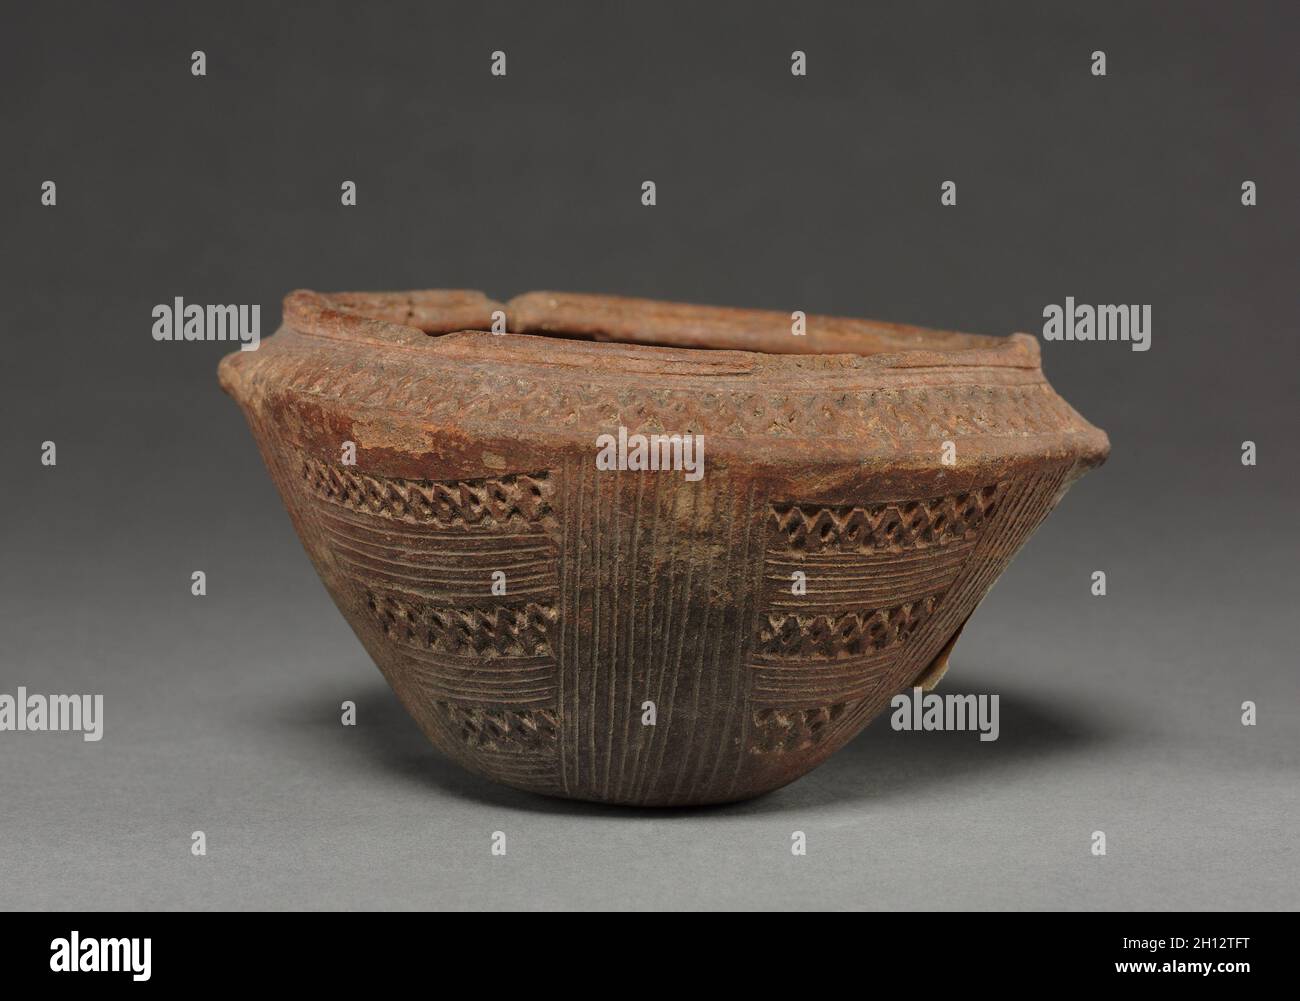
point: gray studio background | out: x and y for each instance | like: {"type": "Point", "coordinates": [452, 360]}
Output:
{"type": "Point", "coordinates": [1118, 714]}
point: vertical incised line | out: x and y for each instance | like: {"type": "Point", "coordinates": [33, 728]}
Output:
{"type": "Point", "coordinates": [575, 725]}
{"type": "Point", "coordinates": [595, 623]}
{"type": "Point", "coordinates": [629, 663]}
{"type": "Point", "coordinates": [648, 631]}
{"type": "Point", "coordinates": [717, 492]}
{"type": "Point", "coordinates": [748, 631]}
{"type": "Point", "coordinates": [565, 568]}
{"type": "Point", "coordinates": [681, 632]}
{"type": "Point", "coordinates": [739, 626]}
{"type": "Point", "coordinates": [661, 644]}
{"type": "Point", "coordinates": [615, 595]}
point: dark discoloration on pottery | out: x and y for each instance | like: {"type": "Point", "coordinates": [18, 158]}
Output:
{"type": "Point", "coordinates": [476, 453]}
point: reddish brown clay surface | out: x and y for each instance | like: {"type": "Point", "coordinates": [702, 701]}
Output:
{"type": "Point", "coordinates": [824, 456]}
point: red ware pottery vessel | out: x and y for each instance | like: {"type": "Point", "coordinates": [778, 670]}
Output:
{"type": "Point", "coordinates": [827, 505]}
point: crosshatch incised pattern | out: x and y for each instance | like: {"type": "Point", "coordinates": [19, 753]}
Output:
{"type": "Point", "coordinates": [503, 729]}
{"type": "Point", "coordinates": [781, 731]}
{"type": "Point", "coordinates": [483, 631]}
{"type": "Point", "coordinates": [893, 526]}
{"type": "Point", "coordinates": [821, 656]}
{"type": "Point", "coordinates": [610, 604]}
{"type": "Point", "coordinates": [851, 634]}
{"type": "Point", "coordinates": [487, 503]}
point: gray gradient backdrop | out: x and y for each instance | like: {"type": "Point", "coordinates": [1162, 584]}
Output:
{"type": "Point", "coordinates": [1119, 713]}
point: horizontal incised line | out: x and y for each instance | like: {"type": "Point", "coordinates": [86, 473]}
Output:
{"type": "Point", "coordinates": [496, 701]}
{"type": "Point", "coordinates": [458, 541]}
{"type": "Point", "coordinates": [478, 565]}
{"type": "Point", "coordinates": [459, 688]}
{"type": "Point", "coordinates": [867, 663]}
{"type": "Point", "coordinates": [811, 696]}
{"type": "Point", "coordinates": [434, 587]}
{"type": "Point", "coordinates": [521, 572]}
{"type": "Point", "coordinates": [882, 564]}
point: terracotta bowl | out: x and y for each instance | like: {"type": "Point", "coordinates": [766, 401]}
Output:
{"type": "Point", "coordinates": [642, 636]}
